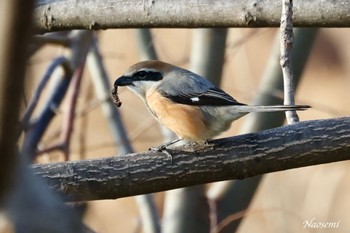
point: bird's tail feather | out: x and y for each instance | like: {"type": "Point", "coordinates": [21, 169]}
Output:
{"type": "Point", "coordinates": [272, 108]}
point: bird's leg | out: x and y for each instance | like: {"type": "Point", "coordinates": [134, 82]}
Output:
{"type": "Point", "coordinates": [164, 146]}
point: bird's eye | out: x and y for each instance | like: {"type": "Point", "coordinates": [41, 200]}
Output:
{"type": "Point", "coordinates": [147, 75]}
{"type": "Point", "coordinates": [142, 74]}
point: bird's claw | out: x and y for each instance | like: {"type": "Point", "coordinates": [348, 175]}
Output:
{"type": "Point", "coordinates": [157, 149]}
{"type": "Point", "coordinates": [162, 149]}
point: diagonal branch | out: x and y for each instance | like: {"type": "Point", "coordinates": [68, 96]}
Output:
{"type": "Point", "coordinates": [293, 146]}
{"type": "Point", "coordinates": [80, 42]}
{"type": "Point", "coordinates": [59, 61]}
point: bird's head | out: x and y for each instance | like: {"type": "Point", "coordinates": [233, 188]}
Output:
{"type": "Point", "coordinates": [144, 77]}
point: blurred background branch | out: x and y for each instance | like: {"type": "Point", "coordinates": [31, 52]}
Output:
{"type": "Point", "coordinates": [206, 59]}
{"type": "Point", "coordinates": [30, 206]}
{"type": "Point", "coordinates": [102, 86]}
{"type": "Point", "coordinates": [148, 210]}
{"type": "Point", "coordinates": [80, 43]}
{"type": "Point", "coordinates": [15, 36]}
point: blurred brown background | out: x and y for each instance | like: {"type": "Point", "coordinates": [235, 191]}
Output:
{"type": "Point", "coordinates": [284, 199]}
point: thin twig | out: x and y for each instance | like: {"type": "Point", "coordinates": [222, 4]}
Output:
{"type": "Point", "coordinates": [88, 93]}
{"type": "Point", "coordinates": [286, 58]}
{"type": "Point", "coordinates": [54, 38]}
{"type": "Point", "coordinates": [239, 215]}
{"type": "Point", "coordinates": [68, 122]}
{"type": "Point", "coordinates": [91, 105]}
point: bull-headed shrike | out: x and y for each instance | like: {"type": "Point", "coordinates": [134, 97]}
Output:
{"type": "Point", "coordinates": [186, 103]}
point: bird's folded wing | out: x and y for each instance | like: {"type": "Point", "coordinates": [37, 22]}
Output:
{"type": "Point", "coordinates": [211, 97]}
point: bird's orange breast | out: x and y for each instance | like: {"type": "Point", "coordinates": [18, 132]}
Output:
{"type": "Point", "coordinates": [184, 120]}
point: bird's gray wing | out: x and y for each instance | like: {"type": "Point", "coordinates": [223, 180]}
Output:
{"type": "Point", "coordinates": [195, 90]}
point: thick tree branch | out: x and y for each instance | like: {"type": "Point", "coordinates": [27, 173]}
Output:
{"type": "Point", "coordinates": [298, 145]}
{"type": "Point", "coordinates": [52, 15]}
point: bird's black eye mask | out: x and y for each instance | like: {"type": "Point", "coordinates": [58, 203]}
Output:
{"type": "Point", "coordinates": [147, 75]}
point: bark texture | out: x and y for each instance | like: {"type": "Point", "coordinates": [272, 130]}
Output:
{"type": "Point", "coordinates": [298, 145]}
{"type": "Point", "coordinates": [52, 15]}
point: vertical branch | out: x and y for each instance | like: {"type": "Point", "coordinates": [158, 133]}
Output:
{"type": "Point", "coordinates": [145, 44]}
{"type": "Point", "coordinates": [30, 206]}
{"type": "Point", "coordinates": [148, 210]}
{"type": "Point", "coordinates": [208, 53]}
{"type": "Point", "coordinates": [15, 25]}
{"type": "Point", "coordinates": [149, 214]}
{"type": "Point", "coordinates": [286, 44]}
{"type": "Point", "coordinates": [231, 197]}
{"type": "Point", "coordinates": [148, 52]}
{"type": "Point", "coordinates": [88, 94]}
{"type": "Point", "coordinates": [68, 122]}
{"type": "Point", "coordinates": [190, 205]}
{"type": "Point", "coordinates": [186, 210]}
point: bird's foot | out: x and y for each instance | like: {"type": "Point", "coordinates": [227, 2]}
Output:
{"type": "Point", "coordinates": [162, 149]}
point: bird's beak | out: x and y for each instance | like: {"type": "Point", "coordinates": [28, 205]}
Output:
{"type": "Point", "coordinates": [123, 81]}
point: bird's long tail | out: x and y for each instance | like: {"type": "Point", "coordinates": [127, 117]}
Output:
{"type": "Point", "coordinates": [272, 108]}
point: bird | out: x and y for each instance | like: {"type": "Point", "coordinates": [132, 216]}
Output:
{"type": "Point", "coordinates": [185, 102]}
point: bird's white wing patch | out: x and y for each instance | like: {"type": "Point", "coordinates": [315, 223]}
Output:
{"type": "Point", "coordinates": [195, 99]}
